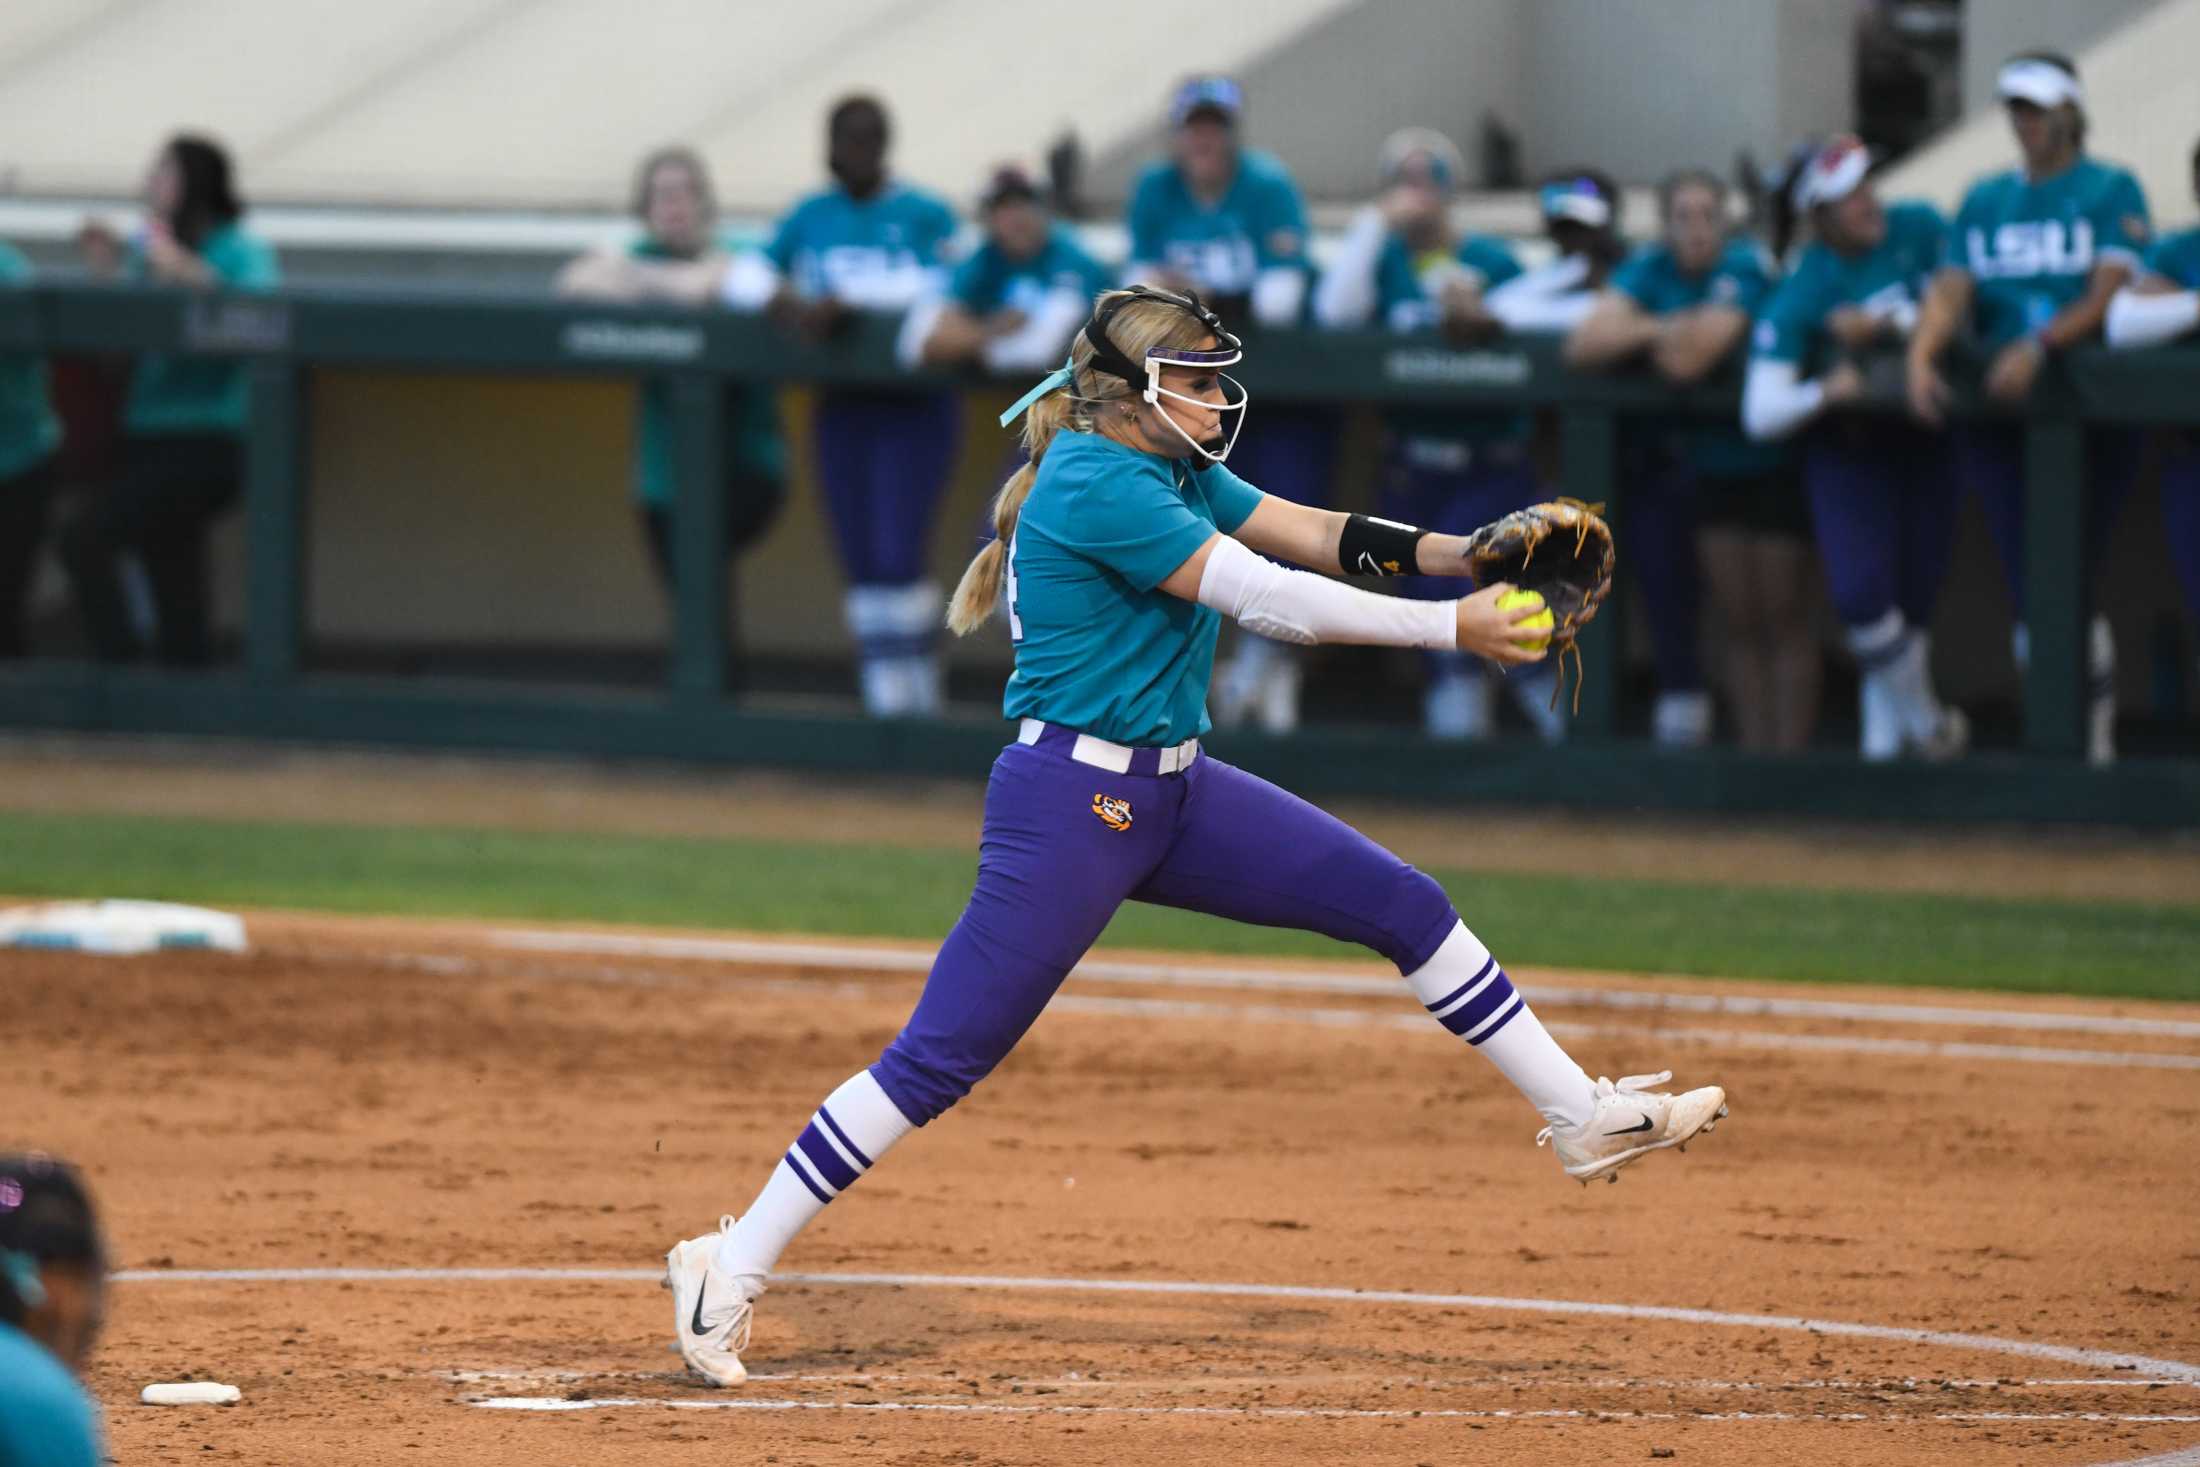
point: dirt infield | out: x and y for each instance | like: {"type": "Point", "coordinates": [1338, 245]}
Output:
{"type": "Point", "coordinates": [384, 1096]}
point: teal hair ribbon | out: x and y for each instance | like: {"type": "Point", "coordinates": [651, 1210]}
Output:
{"type": "Point", "coordinates": [1054, 381]}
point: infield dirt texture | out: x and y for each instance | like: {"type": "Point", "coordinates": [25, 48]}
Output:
{"type": "Point", "coordinates": [392, 1095]}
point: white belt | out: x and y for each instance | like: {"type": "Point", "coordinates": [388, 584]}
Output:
{"type": "Point", "coordinates": [1086, 749]}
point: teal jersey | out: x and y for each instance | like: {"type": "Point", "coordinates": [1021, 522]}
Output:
{"type": "Point", "coordinates": [1259, 222]}
{"type": "Point", "coordinates": [752, 416]}
{"type": "Point", "coordinates": [2031, 247]}
{"type": "Point", "coordinates": [867, 252]}
{"type": "Point", "coordinates": [2176, 258]}
{"type": "Point", "coordinates": [200, 394]}
{"type": "Point", "coordinates": [1098, 647]}
{"type": "Point", "coordinates": [1742, 278]}
{"type": "Point", "coordinates": [1408, 290]}
{"type": "Point", "coordinates": [1892, 277]}
{"type": "Point", "coordinates": [29, 432]}
{"type": "Point", "coordinates": [46, 1420]}
{"type": "Point", "coordinates": [990, 281]}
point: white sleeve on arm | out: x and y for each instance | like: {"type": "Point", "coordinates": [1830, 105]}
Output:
{"type": "Point", "coordinates": [1299, 606]}
{"type": "Point", "coordinates": [750, 281]}
{"type": "Point", "coordinates": [916, 329]}
{"type": "Point", "coordinates": [1044, 338]}
{"type": "Point", "coordinates": [1278, 293]}
{"type": "Point", "coordinates": [1345, 298]}
{"type": "Point", "coordinates": [1775, 401]}
{"type": "Point", "coordinates": [2149, 320]}
{"type": "Point", "coordinates": [1554, 297]}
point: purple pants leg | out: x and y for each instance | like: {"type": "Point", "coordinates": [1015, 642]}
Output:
{"type": "Point", "coordinates": [1990, 459]}
{"type": "Point", "coordinates": [1883, 505]}
{"type": "Point", "coordinates": [883, 462]}
{"type": "Point", "coordinates": [1658, 525]}
{"type": "Point", "coordinates": [1051, 873]}
{"type": "Point", "coordinates": [2181, 516]}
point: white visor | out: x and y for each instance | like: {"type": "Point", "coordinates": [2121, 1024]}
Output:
{"type": "Point", "coordinates": [1833, 173]}
{"type": "Point", "coordinates": [2042, 83]}
{"type": "Point", "coordinates": [1233, 390]}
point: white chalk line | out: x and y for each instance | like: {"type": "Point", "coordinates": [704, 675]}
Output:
{"type": "Point", "coordinates": [1330, 1413]}
{"type": "Point", "coordinates": [2176, 1370]}
{"type": "Point", "coordinates": [1286, 980]}
{"type": "Point", "coordinates": [1080, 1382]}
{"type": "Point", "coordinates": [2188, 1457]}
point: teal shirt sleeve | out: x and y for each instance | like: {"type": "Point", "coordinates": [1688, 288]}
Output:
{"type": "Point", "coordinates": [2121, 225]}
{"type": "Point", "coordinates": [1636, 279]}
{"type": "Point", "coordinates": [242, 261]}
{"type": "Point", "coordinates": [1133, 521]}
{"type": "Point", "coordinates": [935, 232]}
{"type": "Point", "coordinates": [1923, 231]}
{"type": "Point", "coordinates": [1788, 319]}
{"type": "Point", "coordinates": [786, 239]}
{"type": "Point", "coordinates": [972, 286]}
{"type": "Point", "coordinates": [1742, 279]}
{"type": "Point", "coordinates": [1279, 234]}
{"type": "Point", "coordinates": [1230, 497]}
{"type": "Point", "coordinates": [1497, 263]}
{"type": "Point", "coordinates": [1148, 218]}
{"type": "Point", "coordinates": [2176, 258]}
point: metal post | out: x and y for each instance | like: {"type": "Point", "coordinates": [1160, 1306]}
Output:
{"type": "Point", "coordinates": [1589, 469]}
{"type": "Point", "coordinates": [274, 489]}
{"type": "Point", "coordinates": [700, 582]}
{"type": "Point", "coordinates": [2054, 586]}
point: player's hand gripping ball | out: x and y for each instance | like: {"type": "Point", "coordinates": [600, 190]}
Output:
{"type": "Point", "coordinates": [1561, 551]}
{"type": "Point", "coordinates": [1534, 634]}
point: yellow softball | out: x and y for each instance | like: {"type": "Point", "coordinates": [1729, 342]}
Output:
{"type": "Point", "coordinates": [1543, 622]}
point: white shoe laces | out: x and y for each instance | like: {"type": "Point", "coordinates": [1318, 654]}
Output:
{"type": "Point", "coordinates": [1607, 1091]}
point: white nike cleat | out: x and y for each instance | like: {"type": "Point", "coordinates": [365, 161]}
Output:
{"type": "Point", "coordinates": [1631, 1120]}
{"type": "Point", "coordinates": [711, 1309]}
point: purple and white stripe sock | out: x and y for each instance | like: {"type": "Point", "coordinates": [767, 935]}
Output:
{"type": "Point", "coordinates": [846, 1136]}
{"type": "Point", "coordinates": [1469, 994]}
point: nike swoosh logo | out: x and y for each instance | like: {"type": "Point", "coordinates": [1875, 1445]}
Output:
{"type": "Point", "coordinates": [1622, 1131]}
{"type": "Point", "coordinates": [695, 1324]}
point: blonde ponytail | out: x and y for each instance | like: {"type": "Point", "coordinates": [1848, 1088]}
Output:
{"type": "Point", "coordinates": [1142, 322]}
{"type": "Point", "coordinates": [979, 590]}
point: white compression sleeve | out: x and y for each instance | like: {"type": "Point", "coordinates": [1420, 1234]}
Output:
{"type": "Point", "coordinates": [1044, 338]}
{"type": "Point", "coordinates": [1553, 297]}
{"type": "Point", "coordinates": [1298, 606]}
{"type": "Point", "coordinates": [750, 281]}
{"type": "Point", "coordinates": [2150, 320]}
{"type": "Point", "coordinates": [1278, 294]}
{"type": "Point", "coordinates": [1775, 401]}
{"type": "Point", "coordinates": [1345, 297]}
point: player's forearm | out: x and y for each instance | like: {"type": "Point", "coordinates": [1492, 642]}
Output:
{"type": "Point", "coordinates": [2142, 318]}
{"type": "Point", "coordinates": [1691, 344]}
{"type": "Point", "coordinates": [1776, 401]}
{"type": "Point", "coordinates": [1946, 301]}
{"type": "Point", "coordinates": [2081, 320]}
{"type": "Point", "coordinates": [1616, 330]}
{"type": "Point", "coordinates": [1297, 606]}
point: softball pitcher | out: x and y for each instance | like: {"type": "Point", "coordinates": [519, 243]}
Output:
{"type": "Point", "coordinates": [1121, 545]}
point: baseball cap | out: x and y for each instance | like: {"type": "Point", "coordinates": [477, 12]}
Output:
{"type": "Point", "coordinates": [1575, 201]}
{"type": "Point", "coordinates": [1008, 185]}
{"type": "Point", "coordinates": [1832, 173]}
{"type": "Point", "coordinates": [2044, 81]}
{"type": "Point", "coordinates": [1446, 168]}
{"type": "Point", "coordinates": [1207, 94]}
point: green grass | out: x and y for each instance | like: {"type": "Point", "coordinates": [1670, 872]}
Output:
{"type": "Point", "coordinates": [1639, 926]}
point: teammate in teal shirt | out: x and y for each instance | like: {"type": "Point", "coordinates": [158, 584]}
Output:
{"type": "Point", "coordinates": [872, 243]}
{"type": "Point", "coordinates": [52, 1285]}
{"type": "Point", "coordinates": [1882, 491]}
{"type": "Point", "coordinates": [1117, 549]}
{"type": "Point", "coordinates": [1402, 265]}
{"type": "Point", "coordinates": [679, 250]}
{"type": "Point", "coordinates": [1228, 222]}
{"type": "Point", "coordinates": [2035, 256]}
{"type": "Point", "coordinates": [1702, 493]}
{"type": "Point", "coordinates": [183, 422]}
{"type": "Point", "coordinates": [1013, 302]}
{"type": "Point", "coordinates": [29, 434]}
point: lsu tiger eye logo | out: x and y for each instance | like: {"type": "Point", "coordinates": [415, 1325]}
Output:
{"type": "Point", "coordinates": [1114, 813]}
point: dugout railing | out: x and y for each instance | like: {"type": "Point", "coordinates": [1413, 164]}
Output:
{"type": "Point", "coordinates": [282, 337]}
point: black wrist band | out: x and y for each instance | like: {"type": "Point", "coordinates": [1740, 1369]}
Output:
{"type": "Point", "coordinates": [1373, 547]}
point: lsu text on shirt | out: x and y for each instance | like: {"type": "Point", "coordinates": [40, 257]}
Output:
{"type": "Point", "coordinates": [2031, 245]}
{"type": "Point", "coordinates": [875, 253]}
{"type": "Point", "coordinates": [178, 394]}
{"type": "Point", "coordinates": [1099, 647]}
{"type": "Point", "coordinates": [990, 281]}
{"type": "Point", "coordinates": [1259, 222]}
